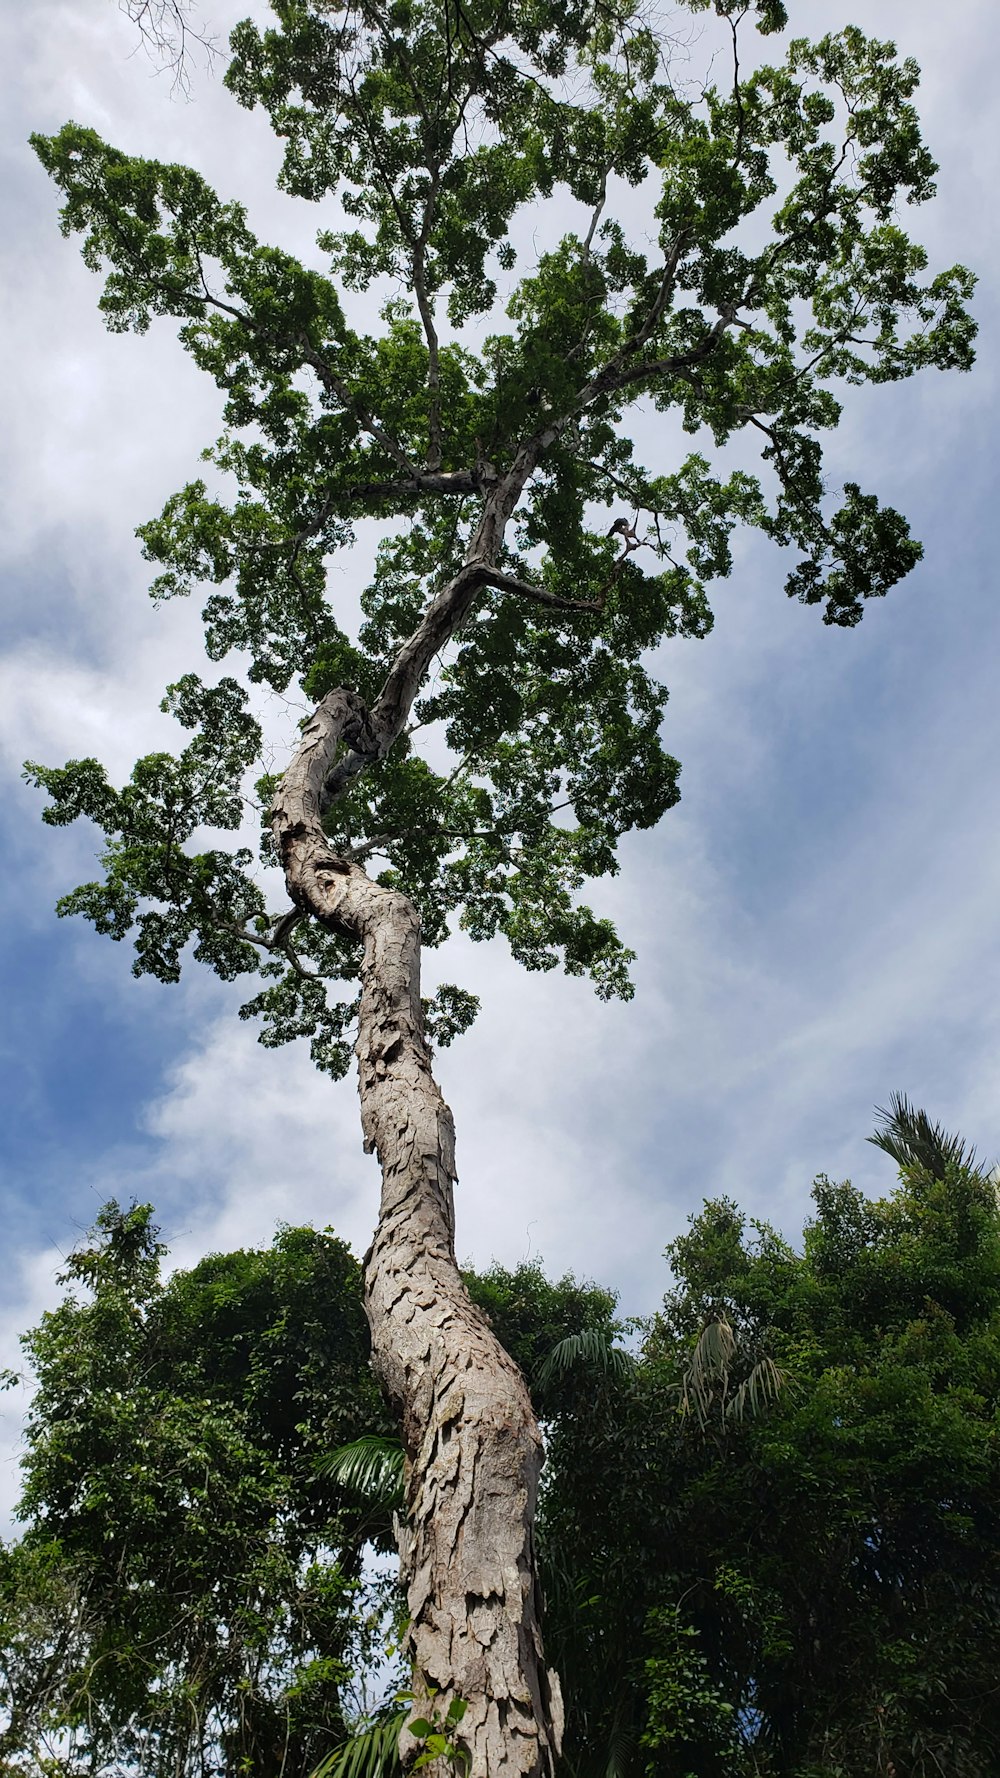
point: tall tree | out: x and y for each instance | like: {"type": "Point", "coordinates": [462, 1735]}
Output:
{"type": "Point", "coordinates": [780, 273]}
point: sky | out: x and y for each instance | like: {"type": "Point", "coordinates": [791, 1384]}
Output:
{"type": "Point", "coordinates": [818, 922]}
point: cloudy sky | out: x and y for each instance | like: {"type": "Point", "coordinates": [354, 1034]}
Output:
{"type": "Point", "coordinates": [818, 923]}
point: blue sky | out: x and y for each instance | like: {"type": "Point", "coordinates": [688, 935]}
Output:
{"type": "Point", "coordinates": [817, 922]}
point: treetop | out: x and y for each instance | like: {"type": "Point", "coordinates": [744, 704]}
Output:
{"type": "Point", "coordinates": [505, 729]}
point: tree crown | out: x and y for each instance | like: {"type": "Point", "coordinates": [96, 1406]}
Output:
{"type": "Point", "coordinates": [505, 722]}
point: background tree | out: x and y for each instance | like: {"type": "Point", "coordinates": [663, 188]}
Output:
{"type": "Point", "coordinates": [809, 1583]}
{"type": "Point", "coordinates": [432, 129]}
{"type": "Point", "coordinates": [170, 1487]}
{"type": "Point", "coordinates": [189, 1594]}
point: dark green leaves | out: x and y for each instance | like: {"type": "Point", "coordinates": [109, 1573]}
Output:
{"type": "Point", "coordinates": [156, 227]}
{"type": "Point", "coordinates": [207, 895]}
{"type": "Point", "coordinates": [768, 272]}
{"type": "Point", "coordinates": [869, 548]}
{"type": "Point", "coordinates": [450, 1012]}
{"type": "Point", "coordinates": [205, 1454]}
{"type": "Point", "coordinates": [369, 1467]}
{"type": "Point", "coordinates": [797, 1573]}
{"type": "Point", "coordinates": [914, 1142]}
{"type": "Point", "coordinates": [186, 1594]}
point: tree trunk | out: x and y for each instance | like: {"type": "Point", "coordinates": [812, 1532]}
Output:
{"type": "Point", "coordinates": [471, 1439]}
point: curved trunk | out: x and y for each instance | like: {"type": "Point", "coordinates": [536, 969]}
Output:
{"type": "Point", "coordinates": [472, 1442]}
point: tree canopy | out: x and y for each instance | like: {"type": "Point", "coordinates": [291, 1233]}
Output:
{"type": "Point", "coordinates": [189, 1594]}
{"type": "Point", "coordinates": [806, 1582]}
{"type": "Point", "coordinates": [171, 1490]}
{"type": "Point", "coordinates": [487, 413]}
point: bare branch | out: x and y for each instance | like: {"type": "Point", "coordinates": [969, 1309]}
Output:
{"type": "Point", "coordinates": [278, 940]}
{"type": "Point", "coordinates": [167, 34]}
{"type": "Point", "coordinates": [596, 216]}
{"type": "Point", "coordinates": [509, 583]}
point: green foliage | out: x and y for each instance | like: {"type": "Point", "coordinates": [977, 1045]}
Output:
{"type": "Point", "coordinates": [592, 1349]}
{"type": "Point", "coordinates": [806, 1583]}
{"type": "Point", "coordinates": [769, 273]}
{"type": "Point", "coordinates": [915, 1143]}
{"type": "Point", "coordinates": [206, 1456]}
{"type": "Point", "coordinates": [436, 1734]}
{"type": "Point", "coordinates": [706, 1387]}
{"type": "Point", "coordinates": [45, 1631]}
{"type": "Point", "coordinates": [683, 1703]}
{"type": "Point", "coordinates": [370, 1467]}
{"type": "Point", "coordinates": [201, 1598]}
{"type": "Point", "coordinates": [809, 1582]}
{"type": "Point", "coordinates": [533, 1318]}
{"type": "Point", "coordinates": [371, 1751]}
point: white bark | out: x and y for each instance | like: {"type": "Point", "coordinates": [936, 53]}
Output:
{"type": "Point", "coordinates": [470, 1435]}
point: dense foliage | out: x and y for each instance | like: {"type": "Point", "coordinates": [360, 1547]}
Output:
{"type": "Point", "coordinates": [170, 1490]}
{"type": "Point", "coordinates": [793, 1577]}
{"type": "Point", "coordinates": [189, 1595]}
{"type": "Point", "coordinates": [810, 1584]}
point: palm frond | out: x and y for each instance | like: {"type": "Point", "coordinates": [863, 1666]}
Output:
{"type": "Point", "coordinates": [913, 1141]}
{"type": "Point", "coordinates": [592, 1348]}
{"type": "Point", "coordinates": [623, 1742]}
{"type": "Point", "coordinates": [371, 1752]}
{"type": "Point", "coordinates": [757, 1391]}
{"type": "Point", "coordinates": [705, 1384]}
{"type": "Point", "coordinates": [707, 1375]}
{"type": "Point", "coordinates": [370, 1467]}
{"type": "Point", "coordinates": [715, 1350]}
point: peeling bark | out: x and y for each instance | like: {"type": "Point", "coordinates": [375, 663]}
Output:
{"type": "Point", "coordinates": [471, 1439]}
